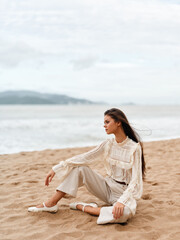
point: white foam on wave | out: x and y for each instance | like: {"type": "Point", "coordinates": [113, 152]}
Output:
{"type": "Point", "coordinates": [31, 129]}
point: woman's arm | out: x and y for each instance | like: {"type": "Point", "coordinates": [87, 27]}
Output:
{"type": "Point", "coordinates": [85, 158]}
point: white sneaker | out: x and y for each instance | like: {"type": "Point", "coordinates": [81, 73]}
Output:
{"type": "Point", "coordinates": [74, 205]}
{"type": "Point", "coordinates": [44, 209]}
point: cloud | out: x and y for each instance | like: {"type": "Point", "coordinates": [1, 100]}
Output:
{"type": "Point", "coordinates": [92, 26]}
{"type": "Point", "coordinates": [84, 63]}
{"type": "Point", "coordinates": [132, 44]}
{"type": "Point", "coordinates": [88, 62]}
{"type": "Point", "coordinates": [14, 53]}
{"type": "Point", "coordinates": [116, 65]}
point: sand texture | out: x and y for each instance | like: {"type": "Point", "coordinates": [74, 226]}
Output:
{"type": "Point", "coordinates": [22, 185]}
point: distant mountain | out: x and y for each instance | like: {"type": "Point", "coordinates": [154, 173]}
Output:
{"type": "Point", "coordinates": [31, 97]}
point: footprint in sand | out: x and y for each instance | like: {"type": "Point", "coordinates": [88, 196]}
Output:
{"type": "Point", "coordinates": [152, 183]}
{"type": "Point", "coordinates": [32, 181]}
{"type": "Point", "coordinates": [170, 202]}
{"type": "Point", "coordinates": [15, 174]}
{"type": "Point", "coordinates": [146, 197]}
{"type": "Point", "coordinates": [15, 183]}
{"type": "Point", "coordinates": [155, 184]}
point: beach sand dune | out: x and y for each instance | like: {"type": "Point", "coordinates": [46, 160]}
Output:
{"type": "Point", "coordinates": [22, 185]}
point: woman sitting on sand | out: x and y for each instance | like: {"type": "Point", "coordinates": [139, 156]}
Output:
{"type": "Point", "coordinates": [125, 166]}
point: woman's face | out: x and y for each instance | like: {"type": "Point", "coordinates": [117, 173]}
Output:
{"type": "Point", "coordinates": [110, 125]}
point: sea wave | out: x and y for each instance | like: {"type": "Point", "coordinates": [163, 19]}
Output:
{"type": "Point", "coordinates": [32, 128]}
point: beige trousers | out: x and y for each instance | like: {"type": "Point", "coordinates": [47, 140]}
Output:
{"type": "Point", "coordinates": [106, 189]}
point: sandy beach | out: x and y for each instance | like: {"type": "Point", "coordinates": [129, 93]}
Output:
{"type": "Point", "coordinates": [22, 185]}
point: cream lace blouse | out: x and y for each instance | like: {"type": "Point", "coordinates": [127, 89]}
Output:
{"type": "Point", "coordinates": [122, 162]}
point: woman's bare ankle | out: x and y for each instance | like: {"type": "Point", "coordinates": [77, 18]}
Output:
{"type": "Point", "coordinates": [47, 204]}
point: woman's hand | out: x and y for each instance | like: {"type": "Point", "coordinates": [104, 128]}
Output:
{"type": "Point", "coordinates": [49, 177]}
{"type": "Point", "coordinates": [118, 210]}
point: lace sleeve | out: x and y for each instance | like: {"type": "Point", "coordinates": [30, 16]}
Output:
{"type": "Point", "coordinates": [83, 159]}
{"type": "Point", "coordinates": [135, 187]}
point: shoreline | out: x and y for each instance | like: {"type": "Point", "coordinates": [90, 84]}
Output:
{"type": "Point", "coordinates": [80, 147]}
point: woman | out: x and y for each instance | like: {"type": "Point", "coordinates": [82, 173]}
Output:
{"type": "Point", "coordinates": [124, 162]}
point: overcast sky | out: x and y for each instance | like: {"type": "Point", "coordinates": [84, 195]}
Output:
{"type": "Point", "coordinates": [116, 51]}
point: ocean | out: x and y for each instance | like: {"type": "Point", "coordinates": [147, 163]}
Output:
{"type": "Point", "coordinates": [39, 127]}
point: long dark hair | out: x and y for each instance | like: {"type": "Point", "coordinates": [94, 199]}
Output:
{"type": "Point", "coordinates": [119, 116]}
